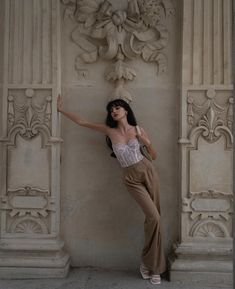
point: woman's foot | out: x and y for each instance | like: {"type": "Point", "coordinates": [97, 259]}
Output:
{"type": "Point", "coordinates": [144, 271]}
{"type": "Point", "coordinates": [155, 279]}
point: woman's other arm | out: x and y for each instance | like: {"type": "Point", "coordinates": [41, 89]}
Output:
{"type": "Point", "coordinates": [144, 138]}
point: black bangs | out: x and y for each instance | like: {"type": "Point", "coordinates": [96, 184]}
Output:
{"type": "Point", "coordinates": [116, 102]}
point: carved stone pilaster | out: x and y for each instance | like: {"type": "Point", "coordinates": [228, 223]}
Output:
{"type": "Point", "coordinates": [206, 190]}
{"type": "Point", "coordinates": [30, 245]}
{"type": "Point", "coordinates": [204, 252]}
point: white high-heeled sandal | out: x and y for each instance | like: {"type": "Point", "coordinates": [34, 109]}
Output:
{"type": "Point", "coordinates": [144, 271]}
{"type": "Point", "coordinates": [155, 279]}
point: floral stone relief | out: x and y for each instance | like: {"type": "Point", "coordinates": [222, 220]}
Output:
{"type": "Point", "coordinates": [209, 116]}
{"type": "Point", "coordinates": [121, 35]}
{"type": "Point", "coordinates": [209, 214]}
{"type": "Point", "coordinates": [210, 119]}
{"type": "Point", "coordinates": [29, 114]}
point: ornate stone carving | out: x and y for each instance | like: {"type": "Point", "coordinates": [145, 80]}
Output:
{"type": "Point", "coordinates": [209, 116]}
{"type": "Point", "coordinates": [209, 229]}
{"type": "Point", "coordinates": [119, 35]}
{"type": "Point", "coordinates": [28, 209]}
{"type": "Point", "coordinates": [203, 204]}
{"type": "Point", "coordinates": [29, 114]}
{"type": "Point", "coordinates": [28, 200]}
{"type": "Point", "coordinates": [28, 225]}
{"type": "Point", "coordinates": [209, 213]}
{"type": "Point", "coordinates": [210, 120]}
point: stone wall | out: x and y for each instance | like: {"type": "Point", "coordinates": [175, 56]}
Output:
{"type": "Point", "coordinates": [101, 224]}
{"type": "Point", "coordinates": [58, 181]}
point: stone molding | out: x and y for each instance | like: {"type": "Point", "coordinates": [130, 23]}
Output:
{"type": "Point", "coordinates": [27, 210]}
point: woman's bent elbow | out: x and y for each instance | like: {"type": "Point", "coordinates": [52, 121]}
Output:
{"type": "Point", "coordinates": [154, 156]}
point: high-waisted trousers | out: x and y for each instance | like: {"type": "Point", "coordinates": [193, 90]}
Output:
{"type": "Point", "coordinates": [141, 181]}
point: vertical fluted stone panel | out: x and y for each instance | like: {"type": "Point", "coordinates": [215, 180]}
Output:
{"type": "Point", "coordinates": [30, 47]}
{"type": "Point", "coordinates": [204, 253]}
{"type": "Point", "coordinates": [207, 42]}
{"type": "Point", "coordinates": [30, 244]}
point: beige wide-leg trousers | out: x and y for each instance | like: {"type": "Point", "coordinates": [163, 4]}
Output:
{"type": "Point", "coordinates": [141, 181]}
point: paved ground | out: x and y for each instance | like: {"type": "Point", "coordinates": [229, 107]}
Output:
{"type": "Point", "coordinates": [91, 278]}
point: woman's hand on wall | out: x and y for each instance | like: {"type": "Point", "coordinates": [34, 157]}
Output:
{"type": "Point", "coordinates": [80, 120]}
{"type": "Point", "coordinates": [59, 103]}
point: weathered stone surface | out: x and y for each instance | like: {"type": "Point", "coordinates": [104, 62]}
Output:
{"type": "Point", "coordinates": [205, 246]}
{"type": "Point", "coordinates": [93, 51]}
{"type": "Point", "coordinates": [30, 245]}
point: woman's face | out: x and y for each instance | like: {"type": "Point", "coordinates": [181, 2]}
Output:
{"type": "Point", "coordinates": [118, 112]}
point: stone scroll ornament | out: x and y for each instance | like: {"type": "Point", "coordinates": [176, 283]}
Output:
{"type": "Point", "coordinates": [121, 35]}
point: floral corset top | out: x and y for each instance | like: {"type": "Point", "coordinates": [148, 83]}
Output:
{"type": "Point", "coordinates": [128, 154]}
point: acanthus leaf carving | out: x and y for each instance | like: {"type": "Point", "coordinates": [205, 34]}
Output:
{"type": "Point", "coordinates": [211, 123]}
{"type": "Point", "coordinates": [120, 70]}
{"type": "Point", "coordinates": [28, 116]}
{"type": "Point", "coordinates": [210, 119]}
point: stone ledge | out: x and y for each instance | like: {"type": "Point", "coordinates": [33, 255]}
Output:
{"type": "Point", "coordinates": [33, 272]}
{"type": "Point", "coordinates": [213, 251]}
{"type": "Point", "coordinates": [31, 244]}
{"type": "Point", "coordinates": [216, 279]}
{"type": "Point", "coordinates": [202, 266]}
{"type": "Point", "coordinates": [26, 265]}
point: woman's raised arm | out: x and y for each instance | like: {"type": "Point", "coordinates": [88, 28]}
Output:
{"type": "Point", "coordinates": [80, 120]}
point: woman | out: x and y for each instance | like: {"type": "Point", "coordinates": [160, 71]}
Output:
{"type": "Point", "coordinates": [139, 176]}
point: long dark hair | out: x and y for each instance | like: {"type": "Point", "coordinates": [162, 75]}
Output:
{"type": "Point", "coordinates": [112, 123]}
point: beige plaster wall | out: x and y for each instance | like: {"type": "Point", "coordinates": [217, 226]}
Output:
{"type": "Point", "coordinates": [101, 223]}
{"type": "Point", "coordinates": [1, 73]}
{"type": "Point", "coordinates": [2, 42]}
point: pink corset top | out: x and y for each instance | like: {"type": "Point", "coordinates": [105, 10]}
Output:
{"type": "Point", "coordinates": [128, 154]}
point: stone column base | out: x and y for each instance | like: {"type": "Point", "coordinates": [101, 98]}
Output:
{"type": "Point", "coordinates": [23, 259]}
{"type": "Point", "coordinates": [210, 265]}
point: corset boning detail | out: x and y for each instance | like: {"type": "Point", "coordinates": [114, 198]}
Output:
{"type": "Point", "coordinates": [128, 154]}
